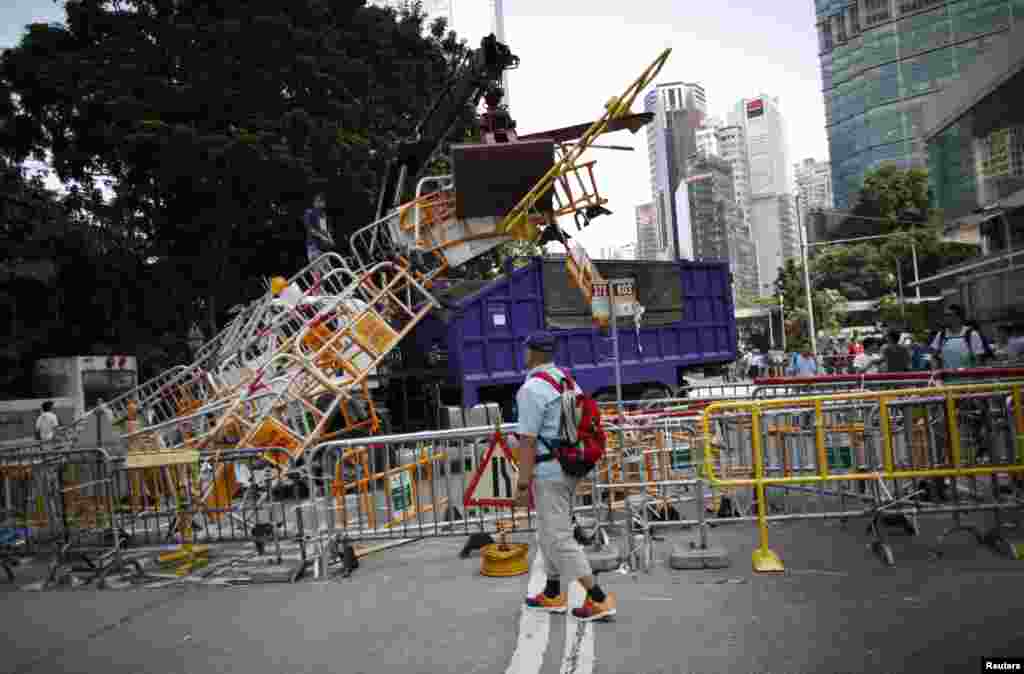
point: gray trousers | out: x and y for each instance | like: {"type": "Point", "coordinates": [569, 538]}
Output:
{"type": "Point", "coordinates": [563, 556]}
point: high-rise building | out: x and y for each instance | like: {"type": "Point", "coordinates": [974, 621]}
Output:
{"type": "Point", "coordinates": [771, 219]}
{"type": "Point", "coordinates": [814, 183]}
{"type": "Point", "coordinates": [679, 109]}
{"type": "Point", "coordinates": [718, 229]}
{"type": "Point", "coordinates": [882, 62]}
{"type": "Point", "coordinates": [707, 137]}
{"type": "Point", "coordinates": [732, 147]}
{"type": "Point", "coordinates": [774, 221]}
{"type": "Point", "coordinates": [767, 149]}
{"type": "Point", "coordinates": [647, 239]}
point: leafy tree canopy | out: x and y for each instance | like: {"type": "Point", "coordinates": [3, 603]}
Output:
{"type": "Point", "coordinates": [212, 125]}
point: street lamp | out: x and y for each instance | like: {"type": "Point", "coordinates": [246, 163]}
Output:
{"type": "Point", "coordinates": [807, 280]}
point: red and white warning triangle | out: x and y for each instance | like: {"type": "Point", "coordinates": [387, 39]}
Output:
{"type": "Point", "coordinates": [494, 481]}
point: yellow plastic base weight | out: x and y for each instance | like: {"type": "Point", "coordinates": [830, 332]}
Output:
{"type": "Point", "coordinates": [502, 561]}
{"type": "Point", "coordinates": [188, 558]}
{"type": "Point", "coordinates": [767, 561]}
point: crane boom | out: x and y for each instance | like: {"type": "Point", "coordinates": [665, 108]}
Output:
{"type": "Point", "coordinates": [481, 70]}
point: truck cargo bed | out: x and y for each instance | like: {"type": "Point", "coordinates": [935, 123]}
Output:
{"type": "Point", "coordinates": [689, 322]}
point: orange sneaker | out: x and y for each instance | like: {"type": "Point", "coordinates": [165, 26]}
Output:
{"type": "Point", "coordinates": [542, 602]}
{"type": "Point", "coordinates": [592, 610]}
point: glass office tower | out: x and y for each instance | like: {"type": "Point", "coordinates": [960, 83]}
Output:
{"type": "Point", "coordinates": [881, 60]}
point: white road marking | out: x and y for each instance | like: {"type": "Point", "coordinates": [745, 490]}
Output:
{"type": "Point", "coordinates": [533, 626]}
{"type": "Point", "coordinates": [579, 637]}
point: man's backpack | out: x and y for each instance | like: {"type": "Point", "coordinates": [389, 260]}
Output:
{"type": "Point", "coordinates": [986, 355]}
{"type": "Point", "coordinates": [581, 441]}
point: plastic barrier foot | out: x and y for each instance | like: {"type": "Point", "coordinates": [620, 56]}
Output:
{"type": "Point", "coordinates": [692, 556]}
{"type": "Point", "coordinates": [502, 561]}
{"type": "Point", "coordinates": [767, 561]}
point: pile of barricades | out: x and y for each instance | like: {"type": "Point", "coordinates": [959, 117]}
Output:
{"type": "Point", "coordinates": [880, 447]}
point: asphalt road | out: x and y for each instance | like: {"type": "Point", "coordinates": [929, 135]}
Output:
{"type": "Point", "coordinates": [420, 608]}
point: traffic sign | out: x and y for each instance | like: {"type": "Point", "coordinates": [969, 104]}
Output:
{"type": "Point", "coordinates": [494, 481]}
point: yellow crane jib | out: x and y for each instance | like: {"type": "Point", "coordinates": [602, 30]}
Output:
{"type": "Point", "coordinates": [517, 222]}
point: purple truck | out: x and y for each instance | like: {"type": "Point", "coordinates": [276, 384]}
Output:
{"type": "Point", "coordinates": [472, 349]}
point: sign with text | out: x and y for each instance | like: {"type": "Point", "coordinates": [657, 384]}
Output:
{"type": "Point", "coordinates": [620, 291]}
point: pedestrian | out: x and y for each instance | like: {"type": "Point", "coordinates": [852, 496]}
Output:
{"type": "Point", "coordinates": [540, 417]}
{"type": "Point", "coordinates": [960, 344]}
{"type": "Point", "coordinates": [802, 364]}
{"type": "Point", "coordinates": [1014, 342]}
{"type": "Point", "coordinates": [104, 409]}
{"type": "Point", "coordinates": [895, 355]}
{"type": "Point", "coordinates": [47, 422]}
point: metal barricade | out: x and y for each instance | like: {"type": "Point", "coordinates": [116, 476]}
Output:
{"type": "Point", "coordinates": [788, 387]}
{"type": "Point", "coordinates": [61, 502]}
{"type": "Point", "coordinates": [227, 496]}
{"type": "Point", "coordinates": [407, 486]}
{"type": "Point", "coordinates": [900, 453]}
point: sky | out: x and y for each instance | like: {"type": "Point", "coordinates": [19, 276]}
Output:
{"type": "Point", "coordinates": [576, 54]}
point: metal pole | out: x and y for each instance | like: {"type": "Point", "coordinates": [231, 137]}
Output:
{"type": "Point", "coordinates": [899, 283]}
{"type": "Point", "coordinates": [917, 278]}
{"type": "Point", "coordinates": [612, 285]}
{"type": "Point", "coordinates": [807, 281]}
{"type": "Point", "coordinates": [782, 320]}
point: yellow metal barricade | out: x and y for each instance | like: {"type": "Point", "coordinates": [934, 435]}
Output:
{"type": "Point", "coordinates": [899, 445]}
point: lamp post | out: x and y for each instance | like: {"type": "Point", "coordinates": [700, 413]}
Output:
{"type": "Point", "coordinates": [807, 280]}
{"type": "Point", "coordinates": [782, 321]}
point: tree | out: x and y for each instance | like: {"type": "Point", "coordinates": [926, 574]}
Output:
{"type": "Point", "coordinates": [892, 202]}
{"type": "Point", "coordinates": [212, 125]}
{"type": "Point", "coordinates": [826, 302]}
{"type": "Point", "coordinates": [215, 124]}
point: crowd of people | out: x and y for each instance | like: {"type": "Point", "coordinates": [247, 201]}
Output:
{"type": "Point", "coordinates": [958, 343]}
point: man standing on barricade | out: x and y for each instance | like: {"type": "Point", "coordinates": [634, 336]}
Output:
{"type": "Point", "coordinates": [540, 424]}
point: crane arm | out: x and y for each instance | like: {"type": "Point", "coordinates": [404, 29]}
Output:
{"type": "Point", "coordinates": [482, 69]}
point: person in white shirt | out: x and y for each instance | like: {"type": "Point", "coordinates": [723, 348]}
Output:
{"type": "Point", "coordinates": [958, 345]}
{"type": "Point", "coordinates": [46, 423]}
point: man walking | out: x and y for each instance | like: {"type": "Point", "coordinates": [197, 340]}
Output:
{"type": "Point", "coordinates": [540, 416]}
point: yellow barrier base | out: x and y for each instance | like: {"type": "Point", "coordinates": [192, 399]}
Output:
{"type": "Point", "coordinates": [503, 561]}
{"type": "Point", "coordinates": [767, 561]}
{"type": "Point", "coordinates": [190, 557]}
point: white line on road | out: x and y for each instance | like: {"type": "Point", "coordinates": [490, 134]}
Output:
{"type": "Point", "coordinates": [579, 637]}
{"type": "Point", "coordinates": [533, 627]}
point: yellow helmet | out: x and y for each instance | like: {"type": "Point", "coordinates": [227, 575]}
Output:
{"type": "Point", "coordinates": [278, 284]}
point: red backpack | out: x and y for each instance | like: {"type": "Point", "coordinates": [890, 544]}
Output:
{"type": "Point", "coordinates": [581, 441]}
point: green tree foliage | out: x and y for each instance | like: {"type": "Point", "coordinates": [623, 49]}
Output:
{"type": "Point", "coordinates": [213, 124]}
{"type": "Point", "coordinates": [892, 202]}
{"type": "Point", "coordinates": [790, 284]}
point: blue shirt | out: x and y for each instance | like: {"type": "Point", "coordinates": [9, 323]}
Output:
{"type": "Point", "coordinates": [800, 366]}
{"type": "Point", "coordinates": [540, 415]}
